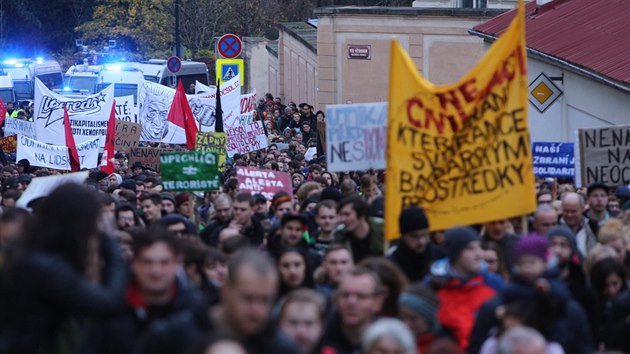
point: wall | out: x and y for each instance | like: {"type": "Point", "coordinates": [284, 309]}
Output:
{"type": "Point", "coordinates": [437, 41]}
{"type": "Point", "coordinates": [297, 70]}
{"type": "Point", "coordinates": [585, 103]}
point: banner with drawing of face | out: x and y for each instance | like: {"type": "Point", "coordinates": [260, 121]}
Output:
{"type": "Point", "coordinates": [88, 115]}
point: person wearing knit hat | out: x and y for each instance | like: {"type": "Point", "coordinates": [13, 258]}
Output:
{"type": "Point", "coordinates": [530, 255]}
{"type": "Point", "coordinates": [456, 241]}
{"type": "Point", "coordinates": [168, 203]}
{"type": "Point", "coordinates": [183, 204]}
{"type": "Point", "coordinates": [563, 246]}
{"type": "Point", "coordinates": [463, 285]}
{"type": "Point", "coordinates": [417, 308]}
{"type": "Point", "coordinates": [414, 252]}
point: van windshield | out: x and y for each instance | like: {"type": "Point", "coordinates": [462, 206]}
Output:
{"type": "Point", "coordinates": [78, 83]}
{"type": "Point", "coordinates": [52, 81]}
{"type": "Point", "coordinates": [7, 95]}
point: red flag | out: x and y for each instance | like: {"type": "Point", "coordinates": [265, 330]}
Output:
{"type": "Point", "coordinates": [181, 115]}
{"type": "Point", "coordinates": [3, 111]}
{"type": "Point", "coordinates": [75, 163]}
{"type": "Point", "coordinates": [107, 160]}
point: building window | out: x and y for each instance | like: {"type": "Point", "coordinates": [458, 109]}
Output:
{"type": "Point", "coordinates": [477, 4]}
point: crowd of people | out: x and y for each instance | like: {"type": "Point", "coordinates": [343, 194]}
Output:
{"type": "Point", "coordinates": [119, 265]}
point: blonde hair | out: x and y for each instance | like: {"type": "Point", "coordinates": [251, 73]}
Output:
{"type": "Point", "coordinates": [611, 231]}
{"type": "Point", "coordinates": [598, 253]}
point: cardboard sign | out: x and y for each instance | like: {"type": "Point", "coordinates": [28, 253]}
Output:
{"type": "Point", "coordinates": [149, 157]}
{"type": "Point", "coordinates": [553, 160]}
{"type": "Point", "coordinates": [213, 142]}
{"type": "Point", "coordinates": [189, 171]}
{"type": "Point", "coordinates": [9, 144]}
{"type": "Point", "coordinates": [127, 135]}
{"type": "Point", "coordinates": [461, 151]}
{"type": "Point", "coordinates": [356, 136]}
{"type": "Point", "coordinates": [605, 155]}
{"type": "Point", "coordinates": [265, 182]}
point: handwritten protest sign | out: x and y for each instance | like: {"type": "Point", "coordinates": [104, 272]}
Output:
{"type": "Point", "coordinates": [213, 142]}
{"type": "Point", "coordinates": [125, 109]}
{"type": "Point", "coordinates": [14, 126]}
{"type": "Point", "coordinates": [605, 155]}
{"type": "Point", "coordinates": [462, 150]}
{"type": "Point", "coordinates": [356, 136]}
{"type": "Point", "coordinates": [56, 156]}
{"type": "Point", "coordinates": [265, 182]}
{"type": "Point", "coordinates": [246, 138]}
{"type": "Point", "coordinates": [9, 144]}
{"type": "Point", "coordinates": [189, 171]}
{"type": "Point", "coordinates": [553, 160]}
{"type": "Point", "coordinates": [127, 135]}
{"type": "Point", "coordinates": [149, 157]}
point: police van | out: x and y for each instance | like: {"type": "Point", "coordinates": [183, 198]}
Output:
{"type": "Point", "coordinates": [125, 78]}
{"type": "Point", "coordinates": [155, 70]}
{"type": "Point", "coordinates": [24, 71]}
{"type": "Point", "coordinates": [81, 79]}
{"type": "Point", "coordinates": [7, 92]}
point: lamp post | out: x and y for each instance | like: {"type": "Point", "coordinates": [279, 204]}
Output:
{"type": "Point", "coordinates": [177, 42]}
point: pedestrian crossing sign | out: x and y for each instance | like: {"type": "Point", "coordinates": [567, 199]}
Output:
{"type": "Point", "coordinates": [229, 68]}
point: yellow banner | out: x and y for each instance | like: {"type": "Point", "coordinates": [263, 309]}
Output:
{"type": "Point", "coordinates": [213, 142]}
{"type": "Point", "coordinates": [461, 151]}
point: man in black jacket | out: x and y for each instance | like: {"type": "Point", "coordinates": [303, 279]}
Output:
{"type": "Point", "coordinates": [414, 252]}
{"type": "Point", "coordinates": [244, 313]}
{"type": "Point", "coordinates": [155, 293]}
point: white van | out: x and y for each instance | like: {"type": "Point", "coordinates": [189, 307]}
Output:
{"type": "Point", "coordinates": [155, 70]}
{"type": "Point", "coordinates": [24, 71]}
{"type": "Point", "coordinates": [81, 79]}
{"type": "Point", "coordinates": [125, 78]}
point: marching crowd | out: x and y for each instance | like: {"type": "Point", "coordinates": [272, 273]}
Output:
{"type": "Point", "coordinates": [119, 265]}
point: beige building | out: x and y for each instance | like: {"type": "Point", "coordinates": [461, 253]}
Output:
{"type": "Point", "coordinates": [343, 55]}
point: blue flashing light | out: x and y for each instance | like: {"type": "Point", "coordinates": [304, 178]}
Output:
{"type": "Point", "coordinates": [66, 88]}
{"type": "Point", "coordinates": [10, 61]}
{"type": "Point", "coordinates": [19, 65]}
{"type": "Point", "coordinates": [40, 60]}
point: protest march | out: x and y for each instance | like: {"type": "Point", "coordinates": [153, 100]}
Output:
{"type": "Point", "coordinates": [214, 220]}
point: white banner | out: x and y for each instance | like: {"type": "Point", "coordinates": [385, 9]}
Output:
{"type": "Point", "coordinates": [14, 126]}
{"type": "Point", "coordinates": [356, 136]}
{"type": "Point", "coordinates": [88, 115]}
{"type": "Point", "coordinates": [126, 110]}
{"type": "Point", "coordinates": [154, 103]}
{"type": "Point", "coordinates": [56, 156]}
{"type": "Point", "coordinates": [200, 88]}
{"type": "Point", "coordinates": [246, 138]}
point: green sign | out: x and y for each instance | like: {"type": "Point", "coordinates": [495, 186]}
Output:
{"type": "Point", "coordinates": [189, 171]}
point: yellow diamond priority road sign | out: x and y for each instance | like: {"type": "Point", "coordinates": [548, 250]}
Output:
{"type": "Point", "coordinates": [543, 92]}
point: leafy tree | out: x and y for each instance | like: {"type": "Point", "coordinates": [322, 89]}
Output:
{"type": "Point", "coordinates": [140, 26]}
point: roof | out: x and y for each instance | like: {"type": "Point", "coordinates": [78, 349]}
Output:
{"type": "Point", "coordinates": [408, 11]}
{"type": "Point", "coordinates": [303, 32]}
{"type": "Point", "coordinates": [591, 35]}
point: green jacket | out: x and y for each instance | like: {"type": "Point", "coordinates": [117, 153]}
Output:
{"type": "Point", "coordinates": [377, 241]}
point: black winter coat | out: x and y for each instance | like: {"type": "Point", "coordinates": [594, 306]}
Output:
{"type": "Point", "coordinates": [570, 329]}
{"type": "Point", "coordinates": [127, 332]}
{"type": "Point", "coordinates": [41, 292]}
